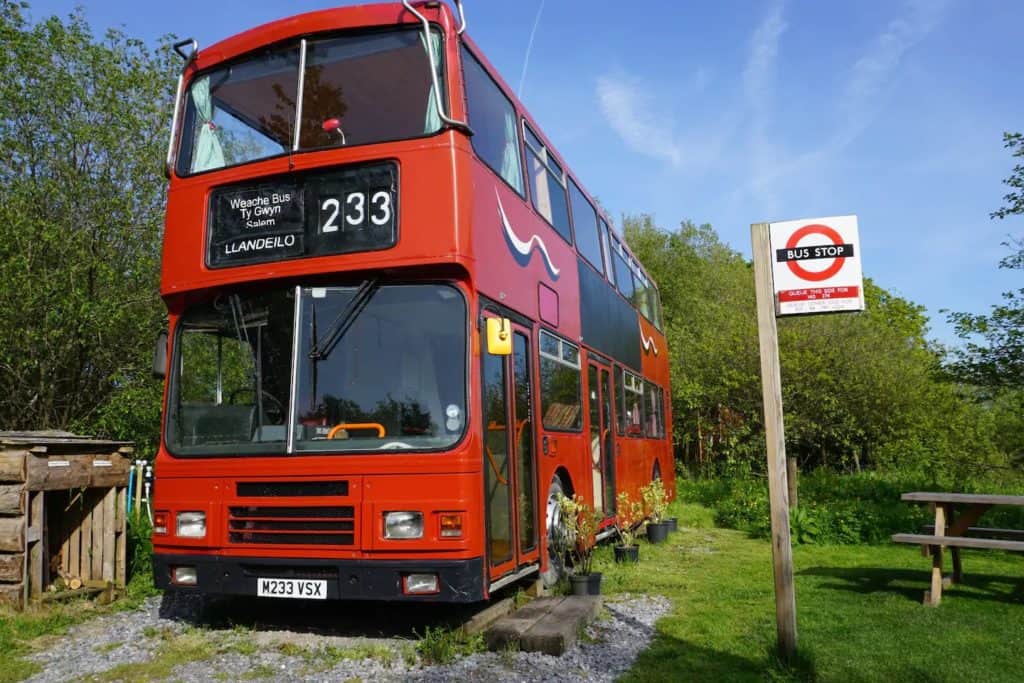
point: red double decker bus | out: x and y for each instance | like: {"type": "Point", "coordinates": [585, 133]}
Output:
{"type": "Point", "coordinates": [399, 327]}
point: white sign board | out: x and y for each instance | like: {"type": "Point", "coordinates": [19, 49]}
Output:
{"type": "Point", "coordinates": [816, 266]}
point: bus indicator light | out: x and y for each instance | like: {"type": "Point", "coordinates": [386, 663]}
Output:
{"type": "Point", "coordinates": [451, 526]}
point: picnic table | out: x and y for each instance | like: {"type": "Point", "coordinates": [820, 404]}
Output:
{"type": "Point", "coordinates": [955, 517]}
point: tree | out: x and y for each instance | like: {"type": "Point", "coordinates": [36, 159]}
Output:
{"type": "Point", "coordinates": [993, 353]}
{"type": "Point", "coordinates": [83, 126]}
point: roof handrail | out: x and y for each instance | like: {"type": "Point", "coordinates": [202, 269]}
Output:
{"type": "Point", "coordinates": [188, 57]}
{"type": "Point", "coordinates": [441, 112]}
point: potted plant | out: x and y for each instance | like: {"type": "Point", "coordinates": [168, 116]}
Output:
{"type": "Point", "coordinates": [581, 523]}
{"type": "Point", "coordinates": [628, 515]}
{"type": "Point", "coordinates": [655, 505]}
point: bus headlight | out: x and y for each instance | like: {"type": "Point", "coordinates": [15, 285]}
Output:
{"type": "Point", "coordinates": [403, 525]}
{"type": "Point", "coordinates": [191, 524]}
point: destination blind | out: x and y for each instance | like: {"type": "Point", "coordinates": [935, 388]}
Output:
{"type": "Point", "coordinates": [343, 211]}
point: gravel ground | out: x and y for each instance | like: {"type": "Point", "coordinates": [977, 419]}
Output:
{"type": "Point", "coordinates": [299, 642]}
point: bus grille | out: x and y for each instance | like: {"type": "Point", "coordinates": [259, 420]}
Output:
{"type": "Point", "coordinates": [292, 525]}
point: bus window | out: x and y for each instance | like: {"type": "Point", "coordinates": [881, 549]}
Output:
{"type": "Point", "coordinates": [608, 267]}
{"type": "Point", "coordinates": [620, 402]}
{"type": "Point", "coordinates": [585, 227]}
{"type": "Point", "coordinates": [377, 85]}
{"type": "Point", "coordinates": [231, 380]}
{"type": "Point", "coordinates": [641, 293]}
{"type": "Point", "coordinates": [493, 120]}
{"type": "Point", "coordinates": [547, 185]}
{"type": "Point", "coordinates": [240, 112]}
{"type": "Point", "coordinates": [634, 406]}
{"type": "Point", "coordinates": [654, 427]}
{"type": "Point", "coordinates": [389, 378]}
{"type": "Point", "coordinates": [560, 384]}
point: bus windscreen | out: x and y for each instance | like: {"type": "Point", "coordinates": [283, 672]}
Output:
{"type": "Point", "coordinates": [357, 88]}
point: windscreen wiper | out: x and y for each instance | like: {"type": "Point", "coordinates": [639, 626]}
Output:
{"type": "Point", "coordinates": [322, 347]}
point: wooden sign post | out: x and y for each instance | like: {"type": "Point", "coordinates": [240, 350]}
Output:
{"type": "Point", "coordinates": [775, 441]}
{"type": "Point", "coordinates": [800, 267]}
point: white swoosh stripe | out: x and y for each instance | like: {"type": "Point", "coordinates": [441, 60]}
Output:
{"type": "Point", "coordinates": [521, 246]}
{"type": "Point", "coordinates": [648, 341]}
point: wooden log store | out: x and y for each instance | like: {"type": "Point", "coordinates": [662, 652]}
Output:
{"type": "Point", "coordinates": [62, 513]}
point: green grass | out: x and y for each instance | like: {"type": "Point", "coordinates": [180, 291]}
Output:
{"type": "Point", "coordinates": [860, 616]}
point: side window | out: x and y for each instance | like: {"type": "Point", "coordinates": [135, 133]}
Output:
{"type": "Point", "coordinates": [560, 384]}
{"type": "Point", "coordinates": [655, 297]}
{"type": "Point", "coordinates": [620, 402]}
{"type": "Point", "coordinates": [547, 185]}
{"type": "Point", "coordinates": [584, 223]}
{"type": "Point", "coordinates": [654, 427]}
{"type": "Point", "coordinates": [493, 120]}
{"type": "Point", "coordinates": [634, 406]}
{"type": "Point", "coordinates": [641, 299]}
{"type": "Point", "coordinates": [609, 269]}
{"type": "Point", "coordinates": [623, 275]}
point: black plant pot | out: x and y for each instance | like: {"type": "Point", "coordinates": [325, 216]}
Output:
{"type": "Point", "coordinates": [673, 523]}
{"type": "Point", "coordinates": [627, 553]}
{"type": "Point", "coordinates": [657, 533]}
{"type": "Point", "coordinates": [587, 584]}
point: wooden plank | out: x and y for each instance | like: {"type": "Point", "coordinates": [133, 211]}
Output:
{"type": "Point", "coordinates": [85, 557]}
{"type": "Point", "coordinates": [12, 465]}
{"type": "Point", "coordinates": [12, 534]}
{"type": "Point", "coordinates": [12, 567]}
{"type": "Point", "coordinates": [37, 556]}
{"type": "Point", "coordinates": [775, 442]}
{"type": "Point", "coordinates": [934, 596]}
{"type": "Point", "coordinates": [58, 472]}
{"type": "Point", "coordinates": [75, 543]}
{"type": "Point", "coordinates": [960, 542]}
{"type": "Point", "coordinates": [121, 562]}
{"type": "Point", "coordinates": [11, 594]}
{"type": "Point", "coordinates": [12, 499]}
{"type": "Point", "coordinates": [983, 532]}
{"type": "Point", "coordinates": [109, 526]}
{"type": "Point", "coordinates": [965, 498]}
{"type": "Point", "coordinates": [96, 547]}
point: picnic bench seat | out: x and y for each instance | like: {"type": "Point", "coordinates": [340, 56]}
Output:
{"type": "Point", "coordinates": [955, 515]}
{"type": "Point", "coordinates": [960, 542]}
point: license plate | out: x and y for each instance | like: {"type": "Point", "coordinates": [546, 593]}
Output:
{"type": "Point", "coordinates": [291, 588]}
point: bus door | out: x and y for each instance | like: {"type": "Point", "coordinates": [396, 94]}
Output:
{"type": "Point", "coordinates": [510, 459]}
{"type": "Point", "coordinates": [599, 384]}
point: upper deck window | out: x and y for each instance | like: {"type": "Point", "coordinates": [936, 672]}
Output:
{"type": "Point", "coordinates": [547, 185]}
{"type": "Point", "coordinates": [240, 112]}
{"type": "Point", "coordinates": [357, 88]}
{"type": "Point", "coordinates": [493, 119]}
{"type": "Point", "coordinates": [584, 222]}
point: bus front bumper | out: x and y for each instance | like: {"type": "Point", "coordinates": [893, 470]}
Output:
{"type": "Point", "coordinates": [458, 580]}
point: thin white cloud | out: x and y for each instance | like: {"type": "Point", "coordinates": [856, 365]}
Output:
{"type": "Point", "coordinates": [860, 97]}
{"type": "Point", "coordinates": [872, 74]}
{"type": "Point", "coordinates": [632, 113]}
{"type": "Point", "coordinates": [758, 91]}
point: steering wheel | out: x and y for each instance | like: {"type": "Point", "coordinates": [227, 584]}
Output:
{"type": "Point", "coordinates": [275, 411]}
{"type": "Point", "coordinates": [392, 445]}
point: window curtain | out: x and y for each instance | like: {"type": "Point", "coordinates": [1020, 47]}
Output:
{"type": "Point", "coordinates": [511, 169]}
{"type": "Point", "coordinates": [432, 121]}
{"type": "Point", "coordinates": [208, 152]}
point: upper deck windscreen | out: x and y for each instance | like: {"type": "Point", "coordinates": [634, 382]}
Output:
{"type": "Point", "coordinates": [357, 89]}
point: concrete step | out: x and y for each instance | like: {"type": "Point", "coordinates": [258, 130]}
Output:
{"type": "Point", "coordinates": [549, 625]}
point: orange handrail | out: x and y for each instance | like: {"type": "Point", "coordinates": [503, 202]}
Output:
{"type": "Point", "coordinates": [381, 432]}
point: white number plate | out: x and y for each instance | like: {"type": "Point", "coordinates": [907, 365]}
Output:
{"type": "Point", "coordinates": [291, 588]}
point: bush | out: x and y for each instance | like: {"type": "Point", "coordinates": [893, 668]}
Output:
{"type": "Point", "coordinates": [834, 508]}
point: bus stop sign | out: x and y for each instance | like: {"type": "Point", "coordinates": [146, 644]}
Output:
{"type": "Point", "coordinates": [816, 266]}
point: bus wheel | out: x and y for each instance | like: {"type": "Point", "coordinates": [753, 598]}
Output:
{"type": "Point", "coordinates": [555, 536]}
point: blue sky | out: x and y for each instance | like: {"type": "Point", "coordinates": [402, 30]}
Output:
{"type": "Point", "coordinates": [736, 112]}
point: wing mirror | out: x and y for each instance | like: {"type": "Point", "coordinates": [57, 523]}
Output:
{"type": "Point", "coordinates": [160, 356]}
